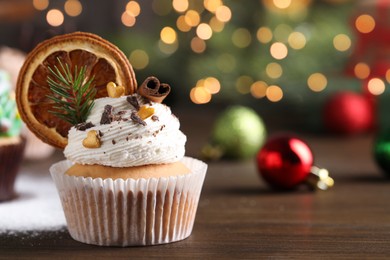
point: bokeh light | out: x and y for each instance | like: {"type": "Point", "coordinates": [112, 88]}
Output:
{"type": "Point", "coordinates": [297, 40]}
{"type": "Point", "coordinates": [342, 42]}
{"type": "Point", "coordinates": [223, 13]}
{"type": "Point", "coordinates": [133, 8]}
{"type": "Point", "coordinates": [180, 5]}
{"type": "Point", "coordinates": [192, 18]}
{"type": "Point", "coordinates": [278, 50]}
{"type": "Point", "coordinates": [281, 32]}
{"type": "Point", "coordinates": [40, 4]}
{"type": "Point", "coordinates": [365, 23]}
{"type": "Point", "coordinates": [274, 93]}
{"type": "Point", "coordinates": [362, 70]}
{"type": "Point", "coordinates": [55, 17]}
{"type": "Point", "coordinates": [388, 76]}
{"type": "Point", "coordinates": [317, 82]}
{"type": "Point", "coordinates": [200, 95]}
{"type": "Point", "coordinates": [259, 89]}
{"type": "Point", "coordinates": [212, 5]}
{"type": "Point", "coordinates": [73, 7]}
{"type": "Point", "coordinates": [241, 38]}
{"type": "Point", "coordinates": [198, 45]}
{"type": "Point", "coordinates": [212, 84]}
{"type": "Point", "coordinates": [274, 70]}
{"type": "Point", "coordinates": [127, 19]}
{"type": "Point", "coordinates": [139, 59]}
{"type": "Point", "coordinates": [376, 86]}
{"type": "Point", "coordinates": [168, 49]}
{"type": "Point", "coordinates": [216, 25]}
{"type": "Point", "coordinates": [182, 25]}
{"type": "Point", "coordinates": [243, 84]}
{"type": "Point", "coordinates": [203, 31]}
{"type": "Point", "coordinates": [264, 34]}
{"type": "Point", "coordinates": [168, 35]}
{"type": "Point", "coordinates": [282, 4]}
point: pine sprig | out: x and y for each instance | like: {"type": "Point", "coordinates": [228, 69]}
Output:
{"type": "Point", "coordinates": [72, 93]}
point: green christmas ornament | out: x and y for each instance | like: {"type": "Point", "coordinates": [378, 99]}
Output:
{"type": "Point", "coordinates": [382, 151]}
{"type": "Point", "coordinates": [238, 133]}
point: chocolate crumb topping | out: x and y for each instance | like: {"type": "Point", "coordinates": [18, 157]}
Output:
{"type": "Point", "coordinates": [107, 115]}
{"type": "Point", "coordinates": [133, 101]}
{"type": "Point", "coordinates": [113, 142]}
{"type": "Point", "coordinates": [84, 126]}
{"type": "Point", "coordinates": [136, 119]}
{"type": "Point", "coordinates": [155, 118]}
{"type": "Point", "coordinates": [100, 133]}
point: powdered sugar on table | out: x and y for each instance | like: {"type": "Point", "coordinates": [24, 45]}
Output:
{"type": "Point", "coordinates": [37, 206]}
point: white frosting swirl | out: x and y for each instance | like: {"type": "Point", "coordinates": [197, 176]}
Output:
{"type": "Point", "coordinates": [125, 143]}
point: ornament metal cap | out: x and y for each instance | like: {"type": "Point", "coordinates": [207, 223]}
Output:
{"type": "Point", "coordinates": [319, 179]}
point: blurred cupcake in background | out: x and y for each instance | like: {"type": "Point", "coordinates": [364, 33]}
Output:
{"type": "Point", "coordinates": [11, 143]}
{"type": "Point", "coordinates": [11, 60]}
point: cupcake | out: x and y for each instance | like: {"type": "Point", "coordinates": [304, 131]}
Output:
{"type": "Point", "coordinates": [11, 143]}
{"type": "Point", "coordinates": [126, 180]}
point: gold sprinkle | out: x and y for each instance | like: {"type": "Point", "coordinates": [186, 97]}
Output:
{"type": "Point", "coordinates": [92, 140]}
{"type": "Point", "coordinates": [115, 91]}
{"type": "Point", "coordinates": [145, 112]}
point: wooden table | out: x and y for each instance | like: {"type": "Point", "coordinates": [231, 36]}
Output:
{"type": "Point", "coordinates": [240, 217]}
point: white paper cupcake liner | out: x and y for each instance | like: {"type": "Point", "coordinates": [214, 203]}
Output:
{"type": "Point", "coordinates": [130, 212]}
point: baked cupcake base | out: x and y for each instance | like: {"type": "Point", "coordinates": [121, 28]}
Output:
{"type": "Point", "coordinates": [130, 212]}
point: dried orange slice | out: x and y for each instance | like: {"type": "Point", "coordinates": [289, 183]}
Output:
{"type": "Point", "coordinates": [103, 60]}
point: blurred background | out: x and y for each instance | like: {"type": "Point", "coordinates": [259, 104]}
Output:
{"type": "Point", "coordinates": [283, 58]}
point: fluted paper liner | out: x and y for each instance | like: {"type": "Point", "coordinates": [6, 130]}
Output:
{"type": "Point", "coordinates": [130, 212]}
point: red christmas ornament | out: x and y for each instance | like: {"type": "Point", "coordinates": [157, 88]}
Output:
{"type": "Point", "coordinates": [285, 162]}
{"type": "Point", "coordinates": [348, 113]}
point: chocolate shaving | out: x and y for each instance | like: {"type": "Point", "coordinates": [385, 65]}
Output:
{"type": "Point", "coordinates": [137, 119]}
{"type": "Point", "coordinates": [133, 101]}
{"type": "Point", "coordinates": [107, 115]}
{"type": "Point", "coordinates": [100, 133]}
{"type": "Point", "coordinates": [84, 126]}
{"type": "Point", "coordinates": [153, 90]}
{"type": "Point", "coordinates": [154, 118]}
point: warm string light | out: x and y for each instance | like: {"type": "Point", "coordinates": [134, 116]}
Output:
{"type": "Point", "coordinates": [55, 17]}
{"type": "Point", "coordinates": [139, 59]}
{"type": "Point", "coordinates": [208, 17]}
{"type": "Point", "coordinates": [73, 8]}
{"type": "Point", "coordinates": [41, 4]}
{"type": "Point", "coordinates": [366, 24]}
{"type": "Point", "coordinates": [317, 82]}
{"type": "Point", "coordinates": [203, 18]}
{"type": "Point", "coordinates": [204, 89]}
{"type": "Point", "coordinates": [130, 14]}
{"type": "Point", "coordinates": [376, 86]}
{"type": "Point", "coordinates": [342, 42]}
